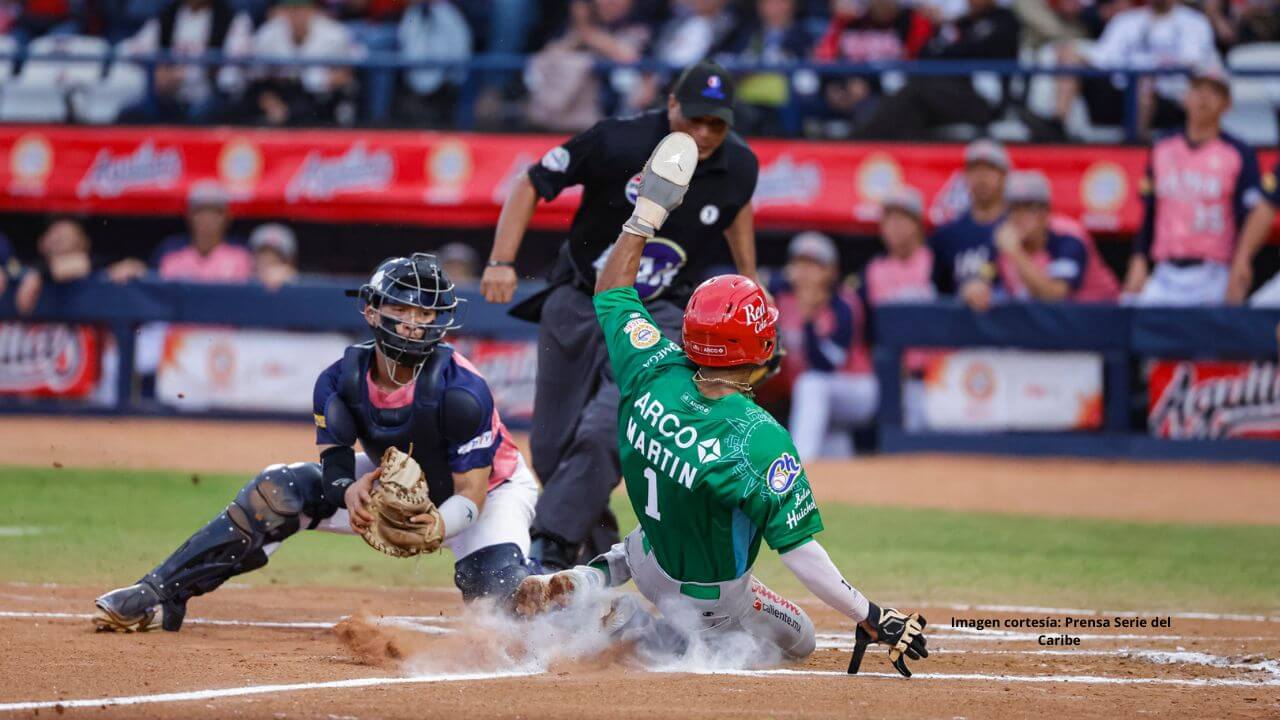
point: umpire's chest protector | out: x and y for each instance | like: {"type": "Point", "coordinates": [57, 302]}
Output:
{"type": "Point", "coordinates": [416, 426]}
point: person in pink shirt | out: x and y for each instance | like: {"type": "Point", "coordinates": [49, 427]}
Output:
{"type": "Point", "coordinates": [904, 274]}
{"type": "Point", "coordinates": [205, 256]}
{"type": "Point", "coordinates": [1035, 262]}
{"type": "Point", "coordinates": [1200, 185]}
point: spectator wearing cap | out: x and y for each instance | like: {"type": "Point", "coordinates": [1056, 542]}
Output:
{"type": "Point", "coordinates": [822, 326]}
{"type": "Point", "coordinates": [190, 93]}
{"type": "Point", "coordinates": [204, 254]}
{"type": "Point", "coordinates": [904, 273]}
{"type": "Point", "coordinates": [1199, 187]}
{"type": "Point", "coordinates": [986, 32]}
{"type": "Point", "coordinates": [964, 249]}
{"type": "Point", "coordinates": [460, 262]}
{"type": "Point", "coordinates": [1162, 34]}
{"type": "Point", "coordinates": [275, 255]}
{"type": "Point", "coordinates": [294, 95]}
{"type": "Point", "coordinates": [875, 31]}
{"type": "Point", "coordinates": [1035, 262]}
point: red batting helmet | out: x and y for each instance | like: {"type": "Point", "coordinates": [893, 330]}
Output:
{"type": "Point", "coordinates": [728, 322]}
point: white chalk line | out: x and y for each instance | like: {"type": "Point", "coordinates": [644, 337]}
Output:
{"type": "Point", "coordinates": [1079, 679]}
{"type": "Point", "coordinates": [424, 624]}
{"type": "Point", "coordinates": [256, 690]}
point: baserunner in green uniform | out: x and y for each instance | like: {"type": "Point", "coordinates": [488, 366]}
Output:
{"type": "Point", "coordinates": [709, 474]}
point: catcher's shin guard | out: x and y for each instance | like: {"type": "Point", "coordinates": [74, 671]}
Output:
{"type": "Point", "coordinates": [265, 510]}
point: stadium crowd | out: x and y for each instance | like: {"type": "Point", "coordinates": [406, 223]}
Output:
{"type": "Point", "coordinates": [561, 41]}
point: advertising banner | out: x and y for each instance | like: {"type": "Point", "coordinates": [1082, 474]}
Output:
{"type": "Point", "coordinates": [1208, 400]}
{"type": "Point", "coordinates": [998, 390]}
{"type": "Point", "coordinates": [49, 359]}
{"type": "Point", "coordinates": [461, 180]}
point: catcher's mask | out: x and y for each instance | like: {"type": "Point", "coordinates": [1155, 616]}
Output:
{"type": "Point", "coordinates": [415, 281]}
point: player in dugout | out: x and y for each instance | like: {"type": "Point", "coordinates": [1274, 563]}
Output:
{"type": "Point", "coordinates": [407, 389]}
{"type": "Point", "coordinates": [709, 473]}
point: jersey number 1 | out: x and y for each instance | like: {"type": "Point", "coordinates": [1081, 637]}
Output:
{"type": "Point", "coordinates": [651, 505]}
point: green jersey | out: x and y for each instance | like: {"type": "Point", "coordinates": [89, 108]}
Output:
{"type": "Point", "coordinates": [708, 479]}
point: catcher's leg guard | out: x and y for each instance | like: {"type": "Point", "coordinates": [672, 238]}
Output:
{"type": "Point", "coordinates": [265, 510]}
{"type": "Point", "coordinates": [494, 571]}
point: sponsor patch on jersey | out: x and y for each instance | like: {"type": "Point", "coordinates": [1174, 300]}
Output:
{"type": "Point", "coordinates": [556, 159]}
{"type": "Point", "coordinates": [632, 190]}
{"type": "Point", "coordinates": [644, 335]}
{"type": "Point", "coordinates": [478, 442]}
{"type": "Point", "coordinates": [632, 324]}
{"type": "Point", "coordinates": [709, 450]}
{"type": "Point", "coordinates": [782, 473]}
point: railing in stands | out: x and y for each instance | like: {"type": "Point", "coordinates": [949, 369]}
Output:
{"type": "Point", "coordinates": [500, 63]}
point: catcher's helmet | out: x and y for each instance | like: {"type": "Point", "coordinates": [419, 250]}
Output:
{"type": "Point", "coordinates": [729, 322]}
{"type": "Point", "coordinates": [415, 281]}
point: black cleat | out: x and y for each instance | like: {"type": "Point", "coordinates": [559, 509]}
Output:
{"type": "Point", "coordinates": [135, 608]}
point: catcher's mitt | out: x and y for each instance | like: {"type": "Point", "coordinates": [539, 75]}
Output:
{"type": "Point", "coordinates": [401, 493]}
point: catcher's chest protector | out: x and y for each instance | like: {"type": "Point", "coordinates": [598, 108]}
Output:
{"type": "Point", "coordinates": [416, 425]}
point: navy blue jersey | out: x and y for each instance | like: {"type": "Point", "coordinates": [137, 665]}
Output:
{"type": "Point", "coordinates": [460, 407]}
{"type": "Point", "coordinates": [1068, 259]}
{"type": "Point", "coordinates": [963, 249]}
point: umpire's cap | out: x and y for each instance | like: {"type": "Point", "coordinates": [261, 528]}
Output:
{"type": "Point", "coordinates": [705, 90]}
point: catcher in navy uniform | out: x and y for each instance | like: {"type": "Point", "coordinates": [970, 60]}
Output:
{"type": "Point", "coordinates": [407, 390]}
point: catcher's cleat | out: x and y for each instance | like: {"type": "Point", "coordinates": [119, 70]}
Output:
{"type": "Point", "coordinates": [136, 608]}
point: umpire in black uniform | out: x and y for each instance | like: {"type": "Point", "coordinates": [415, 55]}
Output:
{"type": "Point", "coordinates": [575, 412]}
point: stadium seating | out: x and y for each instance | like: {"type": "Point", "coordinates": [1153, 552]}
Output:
{"type": "Point", "coordinates": [40, 91]}
{"type": "Point", "coordinates": [1252, 117]}
{"type": "Point", "coordinates": [100, 103]}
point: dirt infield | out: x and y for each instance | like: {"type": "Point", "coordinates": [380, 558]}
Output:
{"type": "Point", "coordinates": [1173, 492]}
{"type": "Point", "coordinates": [272, 653]}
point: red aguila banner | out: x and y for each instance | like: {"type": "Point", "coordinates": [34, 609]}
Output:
{"type": "Point", "coordinates": [460, 180]}
{"type": "Point", "coordinates": [1199, 400]}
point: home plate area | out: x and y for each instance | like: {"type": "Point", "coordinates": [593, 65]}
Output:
{"type": "Point", "coordinates": [313, 652]}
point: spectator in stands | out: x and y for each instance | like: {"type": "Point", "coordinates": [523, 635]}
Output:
{"type": "Point", "coordinates": [1047, 22]}
{"type": "Point", "coordinates": [986, 32]}
{"type": "Point", "coordinates": [122, 19]}
{"type": "Point", "coordinates": [294, 95]}
{"type": "Point", "coordinates": [204, 255]}
{"type": "Point", "coordinates": [190, 93]}
{"type": "Point", "coordinates": [1258, 22]}
{"type": "Point", "coordinates": [65, 257]}
{"type": "Point", "coordinates": [373, 25]}
{"type": "Point", "coordinates": [822, 327]}
{"type": "Point", "coordinates": [903, 274]}
{"type": "Point", "coordinates": [275, 255]}
{"type": "Point", "coordinates": [879, 31]}
{"type": "Point", "coordinates": [1162, 34]}
{"type": "Point", "coordinates": [964, 249]}
{"type": "Point", "coordinates": [49, 17]}
{"type": "Point", "coordinates": [1035, 262]}
{"type": "Point", "coordinates": [460, 263]}
{"type": "Point", "coordinates": [772, 36]}
{"type": "Point", "coordinates": [432, 30]}
{"type": "Point", "coordinates": [564, 92]}
{"type": "Point", "coordinates": [501, 27]}
{"type": "Point", "coordinates": [697, 30]}
{"type": "Point", "coordinates": [1200, 185]}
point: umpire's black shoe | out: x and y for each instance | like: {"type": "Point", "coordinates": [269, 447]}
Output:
{"type": "Point", "coordinates": [135, 608]}
{"type": "Point", "coordinates": [552, 553]}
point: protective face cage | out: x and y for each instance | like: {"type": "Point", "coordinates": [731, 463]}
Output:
{"type": "Point", "coordinates": [416, 281]}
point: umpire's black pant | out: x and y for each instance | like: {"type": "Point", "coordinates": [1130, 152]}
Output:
{"type": "Point", "coordinates": [575, 420]}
